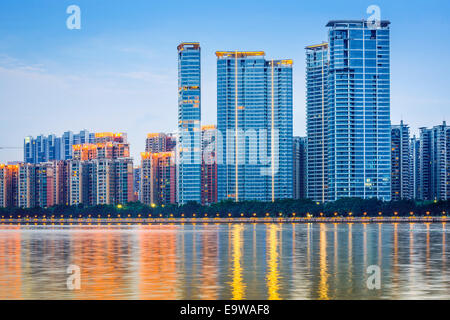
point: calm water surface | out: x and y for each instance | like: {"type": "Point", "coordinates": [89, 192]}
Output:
{"type": "Point", "coordinates": [236, 261]}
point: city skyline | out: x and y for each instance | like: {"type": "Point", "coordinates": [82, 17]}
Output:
{"type": "Point", "coordinates": [71, 68]}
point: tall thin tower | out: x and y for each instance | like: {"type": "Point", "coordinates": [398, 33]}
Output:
{"type": "Point", "coordinates": [317, 125]}
{"type": "Point", "coordinates": [189, 118]}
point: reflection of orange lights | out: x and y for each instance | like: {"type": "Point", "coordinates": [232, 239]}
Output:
{"type": "Point", "coordinates": [237, 284]}
{"type": "Point", "coordinates": [11, 266]}
{"type": "Point", "coordinates": [273, 274]}
{"type": "Point", "coordinates": [157, 267]}
{"type": "Point", "coordinates": [208, 287]}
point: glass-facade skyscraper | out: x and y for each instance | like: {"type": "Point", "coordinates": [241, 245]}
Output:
{"type": "Point", "coordinates": [189, 117]}
{"type": "Point", "coordinates": [254, 122]}
{"type": "Point", "coordinates": [359, 129]}
{"type": "Point", "coordinates": [316, 118]}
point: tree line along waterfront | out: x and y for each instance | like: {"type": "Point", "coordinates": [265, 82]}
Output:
{"type": "Point", "coordinates": [349, 207]}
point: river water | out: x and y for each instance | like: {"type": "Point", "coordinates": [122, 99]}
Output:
{"type": "Point", "coordinates": [226, 261]}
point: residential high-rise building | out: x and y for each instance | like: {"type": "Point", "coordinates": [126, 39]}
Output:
{"type": "Point", "coordinates": [359, 128]}
{"type": "Point", "coordinates": [441, 162]}
{"type": "Point", "coordinates": [105, 137]}
{"type": "Point", "coordinates": [3, 186]}
{"type": "Point", "coordinates": [300, 168]}
{"type": "Point", "coordinates": [61, 182]}
{"type": "Point", "coordinates": [158, 178]}
{"type": "Point", "coordinates": [26, 185]}
{"type": "Point", "coordinates": [8, 185]}
{"type": "Point", "coordinates": [42, 149]}
{"type": "Point", "coordinates": [122, 188]}
{"type": "Point", "coordinates": [136, 183]}
{"type": "Point", "coordinates": [77, 185]}
{"type": "Point", "coordinates": [104, 150]}
{"type": "Point", "coordinates": [50, 148]}
{"type": "Point", "coordinates": [317, 121]}
{"type": "Point", "coordinates": [146, 180]}
{"type": "Point", "coordinates": [425, 164]}
{"type": "Point", "coordinates": [160, 142]}
{"type": "Point", "coordinates": [433, 163]}
{"type": "Point", "coordinates": [209, 164]}
{"type": "Point", "coordinates": [414, 157]}
{"type": "Point", "coordinates": [189, 118]}
{"type": "Point", "coordinates": [44, 185]}
{"type": "Point", "coordinates": [401, 180]}
{"type": "Point", "coordinates": [254, 122]}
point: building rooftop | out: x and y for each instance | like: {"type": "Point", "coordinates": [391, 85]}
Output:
{"type": "Point", "coordinates": [318, 46]}
{"type": "Point", "coordinates": [239, 54]}
{"type": "Point", "coordinates": [332, 23]}
{"type": "Point", "coordinates": [191, 45]}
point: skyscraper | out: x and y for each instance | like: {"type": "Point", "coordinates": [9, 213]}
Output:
{"type": "Point", "coordinates": [254, 122]}
{"type": "Point", "coordinates": [435, 163]}
{"type": "Point", "coordinates": [299, 168]}
{"type": "Point", "coordinates": [414, 158]}
{"type": "Point", "coordinates": [359, 134]}
{"type": "Point", "coordinates": [425, 164]}
{"type": "Point", "coordinates": [189, 118]}
{"type": "Point", "coordinates": [401, 180]}
{"type": "Point", "coordinates": [316, 119]}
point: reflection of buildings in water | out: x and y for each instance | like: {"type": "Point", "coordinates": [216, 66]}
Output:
{"type": "Point", "coordinates": [209, 261]}
{"type": "Point", "coordinates": [272, 261]}
{"type": "Point", "coordinates": [350, 251]}
{"type": "Point", "coordinates": [237, 283]}
{"type": "Point", "coordinates": [335, 248]}
{"type": "Point", "coordinates": [380, 245]}
{"type": "Point", "coordinates": [395, 267]}
{"type": "Point", "coordinates": [273, 274]}
{"type": "Point", "coordinates": [158, 263]}
{"type": "Point", "coordinates": [323, 283]}
{"type": "Point", "coordinates": [11, 265]}
{"type": "Point", "coordinates": [444, 253]}
{"type": "Point", "coordinates": [104, 259]}
{"type": "Point", "coordinates": [301, 283]}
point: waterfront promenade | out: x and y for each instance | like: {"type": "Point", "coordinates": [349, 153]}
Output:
{"type": "Point", "coordinates": [208, 220]}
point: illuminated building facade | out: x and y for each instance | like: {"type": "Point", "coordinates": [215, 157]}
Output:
{"type": "Point", "coordinates": [136, 183]}
{"type": "Point", "coordinates": [401, 179]}
{"type": "Point", "coordinates": [44, 185]}
{"type": "Point", "coordinates": [254, 122]}
{"type": "Point", "coordinates": [316, 119]}
{"type": "Point", "coordinates": [26, 187]}
{"type": "Point", "coordinates": [158, 178]}
{"type": "Point", "coordinates": [160, 142]}
{"type": "Point", "coordinates": [209, 164]}
{"type": "Point", "coordinates": [8, 185]}
{"type": "Point", "coordinates": [189, 118]}
{"type": "Point", "coordinates": [51, 148]}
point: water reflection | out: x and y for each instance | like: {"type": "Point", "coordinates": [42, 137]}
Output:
{"type": "Point", "coordinates": [235, 261]}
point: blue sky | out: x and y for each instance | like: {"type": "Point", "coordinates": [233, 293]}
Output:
{"type": "Point", "coordinates": [119, 72]}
